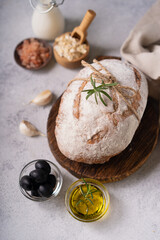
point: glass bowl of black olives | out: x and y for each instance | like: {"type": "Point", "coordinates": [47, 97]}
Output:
{"type": "Point", "coordinates": [40, 180]}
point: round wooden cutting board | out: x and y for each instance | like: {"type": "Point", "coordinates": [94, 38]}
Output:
{"type": "Point", "coordinates": [120, 166]}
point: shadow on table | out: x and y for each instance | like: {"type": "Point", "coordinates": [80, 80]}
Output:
{"type": "Point", "coordinates": [151, 163]}
{"type": "Point", "coordinates": [113, 215]}
{"type": "Point", "coordinates": [58, 203]}
{"type": "Point", "coordinates": [71, 24]}
{"type": "Point", "coordinates": [96, 51]}
{"type": "Point", "coordinates": [49, 66]}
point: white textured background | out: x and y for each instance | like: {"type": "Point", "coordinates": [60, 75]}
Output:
{"type": "Point", "coordinates": [134, 213]}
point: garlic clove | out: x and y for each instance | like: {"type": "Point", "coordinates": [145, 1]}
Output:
{"type": "Point", "coordinates": [26, 128]}
{"type": "Point", "coordinates": [43, 98]}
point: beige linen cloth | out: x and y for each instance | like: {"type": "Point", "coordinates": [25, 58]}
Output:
{"type": "Point", "coordinates": [142, 48]}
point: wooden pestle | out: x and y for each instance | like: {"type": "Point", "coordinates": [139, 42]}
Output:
{"type": "Point", "coordinates": [81, 30]}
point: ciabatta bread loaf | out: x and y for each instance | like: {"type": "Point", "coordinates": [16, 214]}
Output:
{"type": "Point", "coordinates": [92, 133]}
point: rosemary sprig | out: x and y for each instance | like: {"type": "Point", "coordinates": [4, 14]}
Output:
{"type": "Point", "coordinates": [99, 91]}
{"type": "Point", "coordinates": [86, 195]}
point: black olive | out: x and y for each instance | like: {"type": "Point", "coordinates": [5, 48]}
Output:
{"type": "Point", "coordinates": [45, 190]}
{"type": "Point", "coordinates": [51, 180]}
{"type": "Point", "coordinates": [39, 175]}
{"type": "Point", "coordinates": [35, 185]}
{"type": "Point", "coordinates": [42, 164]}
{"type": "Point", "coordinates": [26, 182]}
{"type": "Point", "coordinates": [35, 193]}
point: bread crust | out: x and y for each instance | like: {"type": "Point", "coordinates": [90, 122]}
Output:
{"type": "Point", "coordinates": [91, 133]}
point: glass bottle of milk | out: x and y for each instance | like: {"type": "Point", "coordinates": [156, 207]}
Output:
{"type": "Point", "coordinates": [47, 20]}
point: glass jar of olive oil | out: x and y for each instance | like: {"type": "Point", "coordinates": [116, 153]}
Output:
{"type": "Point", "coordinates": [87, 200]}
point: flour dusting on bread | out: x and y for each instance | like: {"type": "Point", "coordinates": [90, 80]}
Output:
{"type": "Point", "coordinates": [93, 133]}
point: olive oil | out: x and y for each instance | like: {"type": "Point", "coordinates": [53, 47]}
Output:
{"type": "Point", "coordinates": [87, 202]}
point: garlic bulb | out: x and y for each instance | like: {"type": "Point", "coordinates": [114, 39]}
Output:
{"type": "Point", "coordinates": [43, 98]}
{"type": "Point", "coordinates": [26, 128]}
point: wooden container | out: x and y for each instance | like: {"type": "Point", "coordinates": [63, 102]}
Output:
{"type": "Point", "coordinates": [79, 32]}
